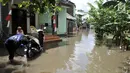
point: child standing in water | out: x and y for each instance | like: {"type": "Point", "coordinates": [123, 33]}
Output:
{"type": "Point", "coordinates": [19, 30]}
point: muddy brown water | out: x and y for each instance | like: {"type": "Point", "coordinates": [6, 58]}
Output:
{"type": "Point", "coordinates": [79, 55]}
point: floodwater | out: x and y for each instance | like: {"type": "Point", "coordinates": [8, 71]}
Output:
{"type": "Point", "coordinates": [79, 54]}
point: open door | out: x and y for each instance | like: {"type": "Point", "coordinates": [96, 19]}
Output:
{"type": "Point", "coordinates": [19, 18]}
{"type": "Point", "coordinates": [32, 19]}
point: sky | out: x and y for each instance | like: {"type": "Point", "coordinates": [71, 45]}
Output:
{"type": "Point", "coordinates": [82, 4]}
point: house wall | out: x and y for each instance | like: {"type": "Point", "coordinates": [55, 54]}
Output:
{"type": "Point", "coordinates": [36, 20]}
{"type": "Point", "coordinates": [70, 10]}
{"type": "Point", "coordinates": [62, 21]}
{"type": "Point", "coordinates": [4, 13]}
{"type": "Point", "coordinates": [70, 23]}
{"type": "Point", "coordinates": [74, 11]}
{"type": "Point", "coordinates": [45, 18]}
{"type": "Point", "coordinates": [0, 18]}
{"type": "Point", "coordinates": [28, 19]}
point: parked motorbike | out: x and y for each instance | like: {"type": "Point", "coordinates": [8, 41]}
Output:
{"type": "Point", "coordinates": [31, 49]}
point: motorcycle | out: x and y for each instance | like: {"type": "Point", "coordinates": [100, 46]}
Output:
{"type": "Point", "coordinates": [31, 49]}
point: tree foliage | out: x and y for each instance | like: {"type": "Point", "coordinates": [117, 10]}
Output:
{"type": "Point", "coordinates": [40, 6]}
{"type": "Point", "coordinates": [111, 20]}
{"type": "Point", "coordinates": [79, 19]}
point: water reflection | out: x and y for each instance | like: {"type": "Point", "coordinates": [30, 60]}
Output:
{"type": "Point", "coordinates": [80, 55]}
{"type": "Point", "coordinates": [77, 63]}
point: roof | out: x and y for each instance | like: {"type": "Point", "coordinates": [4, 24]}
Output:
{"type": "Point", "coordinates": [72, 3]}
{"type": "Point", "coordinates": [64, 3]}
{"type": "Point", "coordinates": [67, 3]}
{"type": "Point", "coordinates": [70, 17]}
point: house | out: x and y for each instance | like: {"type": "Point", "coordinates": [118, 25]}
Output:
{"type": "Point", "coordinates": [64, 18]}
{"type": "Point", "coordinates": [60, 20]}
{"type": "Point", "coordinates": [71, 19]}
{"type": "Point", "coordinates": [19, 17]}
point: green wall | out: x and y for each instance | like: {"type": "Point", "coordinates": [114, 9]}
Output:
{"type": "Point", "coordinates": [62, 21]}
{"type": "Point", "coordinates": [45, 18]}
{"type": "Point", "coordinates": [74, 10]}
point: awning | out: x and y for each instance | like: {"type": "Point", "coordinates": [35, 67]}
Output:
{"type": "Point", "coordinates": [70, 17]}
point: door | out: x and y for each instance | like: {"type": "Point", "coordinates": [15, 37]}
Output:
{"type": "Point", "coordinates": [32, 19]}
{"type": "Point", "coordinates": [19, 18]}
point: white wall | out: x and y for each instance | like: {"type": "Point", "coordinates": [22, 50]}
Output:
{"type": "Point", "coordinates": [36, 21]}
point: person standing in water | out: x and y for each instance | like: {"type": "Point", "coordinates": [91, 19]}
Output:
{"type": "Point", "coordinates": [19, 30]}
{"type": "Point", "coordinates": [13, 43]}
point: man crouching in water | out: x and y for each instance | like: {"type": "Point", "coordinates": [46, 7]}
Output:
{"type": "Point", "coordinates": [13, 43]}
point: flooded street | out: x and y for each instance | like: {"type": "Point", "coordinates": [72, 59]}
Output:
{"type": "Point", "coordinates": [79, 55]}
{"type": "Point", "coordinates": [64, 36]}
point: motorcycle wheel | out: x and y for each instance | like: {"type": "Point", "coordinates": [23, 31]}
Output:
{"type": "Point", "coordinates": [32, 52]}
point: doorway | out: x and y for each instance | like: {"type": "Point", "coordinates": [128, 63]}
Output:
{"type": "Point", "coordinates": [32, 19]}
{"type": "Point", "coordinates": [19, 18]}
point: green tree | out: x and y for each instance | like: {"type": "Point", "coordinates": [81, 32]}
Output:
{"type": "Point", "coordinates": [110, 20]}
{"type": "Point", "coordinates": [79, 19]}
{"type": "Point", "coordinates": [97, 18]}
{"type": "Point", "coordinates": [40, 6]}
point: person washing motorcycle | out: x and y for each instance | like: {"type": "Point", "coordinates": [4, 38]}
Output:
{"type": "Point", "coordinates": [15, 41]}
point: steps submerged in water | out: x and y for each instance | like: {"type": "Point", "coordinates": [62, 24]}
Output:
{"type": "Point", "coordinates": [52, 38]}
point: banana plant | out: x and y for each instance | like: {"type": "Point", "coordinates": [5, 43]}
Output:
{"type": "Point", "coordinates": [110, 20]}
